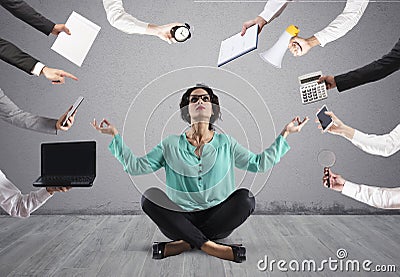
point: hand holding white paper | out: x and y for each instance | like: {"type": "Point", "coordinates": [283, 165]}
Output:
{"type": "Point", "coordinates": [238, 45]}
{"type": "Point", "coordinates": [76, 46]}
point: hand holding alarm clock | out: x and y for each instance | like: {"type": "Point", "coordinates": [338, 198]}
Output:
{"type": "Point", "coordinates": [181, 33]}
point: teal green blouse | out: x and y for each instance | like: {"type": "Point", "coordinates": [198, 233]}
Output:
{"type": "Point", "coordinates": [197, 183]}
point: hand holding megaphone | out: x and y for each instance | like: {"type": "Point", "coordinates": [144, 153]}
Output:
{"type": "Point", "coordinates": [275, 54]}
{"type": "Point", "coordinates": [300, 46]}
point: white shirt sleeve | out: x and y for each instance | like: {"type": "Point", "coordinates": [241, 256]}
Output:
{"type": "Point", "coordinates": [37, 69]}
{"type": "Point", "coordinates": [349, 18]}
{"type": "Point", "coordinates": [121, 20]}
{"type": "Point", "coordinates": [382, 145]}
{"type": "Point", "coordinates": [273, 8]}
{"type": "Point", "coordinates": [17, 204]}
{"type": "Point", "coordinates": [383, 198]}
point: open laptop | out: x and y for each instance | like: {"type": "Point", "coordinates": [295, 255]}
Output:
{"type": "Point", "coordinates": [67, 164]}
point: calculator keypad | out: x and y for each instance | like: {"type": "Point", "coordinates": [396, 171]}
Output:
{"type": "Point", "coordinates": [313, 92]}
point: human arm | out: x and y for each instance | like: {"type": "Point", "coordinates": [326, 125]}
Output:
{"type": "Point", "coordinates": [342, 24]}
{"type": "Point", "coordinates": [13, 55]}
{"type": "Point", "coordinates": [132, 164]}
{"type": "Point", "coordinates": [383, 198]}
{"type": "Point", "coordinates": [272, 9]}
{"type": "Point", "coordinates": [378, 197]}
{"type": "Point", "coordinates": [247, 160]}
{"type": "Point", "coordinates": [125, 22]}
{"type": "Point", "coordinates": [372, 72]}
{"type": "Point", "coordinates": [11, 113]}
{"type": "Point", "coordinates": [122, 20]}
{"type": "Point", "coordinates": [26, 13]}
{"type": "Point", "coordinates": [17, 204]}
{"type": "Point", "coordinates": [381, 145]}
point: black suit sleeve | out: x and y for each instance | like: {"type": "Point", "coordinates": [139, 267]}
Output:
{"type": "Point", "coordinates": [372, 72]}
{"type": "Point", "coordinates": [13, 55]}
{"type": "Point", "coordinates": [26, 13]}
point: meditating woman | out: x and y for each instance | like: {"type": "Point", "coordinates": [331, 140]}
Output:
{"type": "Point", "coordinates": [201, 204]}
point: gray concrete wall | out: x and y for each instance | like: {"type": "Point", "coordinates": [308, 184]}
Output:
{"type": "Point", "coordinates": [119, 66]}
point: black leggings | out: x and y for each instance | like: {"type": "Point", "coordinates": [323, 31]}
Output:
{"type": "Point", "coordinates": [198, 227]}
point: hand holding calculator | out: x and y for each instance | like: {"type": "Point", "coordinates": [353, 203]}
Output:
{"type": "Point", "coordinates": [311, 91]}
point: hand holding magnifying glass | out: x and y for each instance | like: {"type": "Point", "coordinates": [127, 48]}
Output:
{"type": "Point", "coordinates": [326, 158]}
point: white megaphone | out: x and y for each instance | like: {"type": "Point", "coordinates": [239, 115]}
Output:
{"type": "Point", "coordinates": [275, 54]}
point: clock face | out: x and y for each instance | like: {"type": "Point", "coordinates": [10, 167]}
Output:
{"type": "Point", "coordinates": [181, 33]}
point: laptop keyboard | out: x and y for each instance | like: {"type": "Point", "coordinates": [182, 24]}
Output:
{"type": "Point", "coordinates": [65, 179]}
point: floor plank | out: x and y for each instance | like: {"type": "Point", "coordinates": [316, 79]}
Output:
{"type": "Point", "coordinates": [129, 254]}
{"type": "Point", "coordinates": [32, 242]}
{"type": "Point", "coordinates": [120, 245]}
{"type": "Point", "coordinates": [56, 252]}
{"type": "Point", "coordinates": [19, 227]}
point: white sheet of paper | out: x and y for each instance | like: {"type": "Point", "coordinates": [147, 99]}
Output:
{"type": "Point", "coordinates": [237, 45]}
{"type": "Point", "coordinates": [75, 47]}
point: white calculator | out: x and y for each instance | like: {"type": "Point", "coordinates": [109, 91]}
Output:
{"type": "Point", "coordinates": [310, 90]}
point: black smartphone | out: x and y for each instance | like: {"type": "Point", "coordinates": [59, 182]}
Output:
{"type": "Point", "coordinates": [74, 107]}
{"type": "Point", "coordinates": [325, 120]}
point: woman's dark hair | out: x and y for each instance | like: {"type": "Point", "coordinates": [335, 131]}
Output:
{"type": "Point", "coordinates": [184, 105]}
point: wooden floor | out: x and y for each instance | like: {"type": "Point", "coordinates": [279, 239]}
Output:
{"type": "Point", "coordinates": [121, 246]}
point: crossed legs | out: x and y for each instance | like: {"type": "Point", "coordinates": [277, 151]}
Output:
{"type": "Point", "coordinates": [198, 229]}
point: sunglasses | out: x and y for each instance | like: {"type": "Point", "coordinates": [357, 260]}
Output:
{"type": "Point", "coordinates": [204, 98]}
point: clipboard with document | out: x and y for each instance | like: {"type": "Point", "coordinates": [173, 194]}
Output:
{"type": "Point", "coordinates": [237, 45]}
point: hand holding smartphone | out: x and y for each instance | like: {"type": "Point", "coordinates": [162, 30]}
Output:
{"type": "Point", "coordinates": [325, 120]}
{"type": "Point", "coordinates": [72, 110]}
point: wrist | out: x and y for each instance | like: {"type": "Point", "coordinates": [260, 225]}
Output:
{"type": "Point", "coordinates": [284, 133]}
{"type": "Point", "coordinates": [114, 132]}
{"type": "Point", "coordinates": [152, 30]}
{"type": "Point", "coordinates": [43, 71]}
{"type": "Point", "coordinates": [348, 132]}
{"type": "Point", "coordinates": [261, 21]}
{"type": "Point", "coordinates": [312, 41]}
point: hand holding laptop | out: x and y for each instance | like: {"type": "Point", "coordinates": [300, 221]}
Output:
{"type": "Point", "coordinates": [52, 190]}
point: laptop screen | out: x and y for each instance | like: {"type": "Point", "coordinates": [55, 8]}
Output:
{"type": "Point", "coordinates": [69, 159]}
